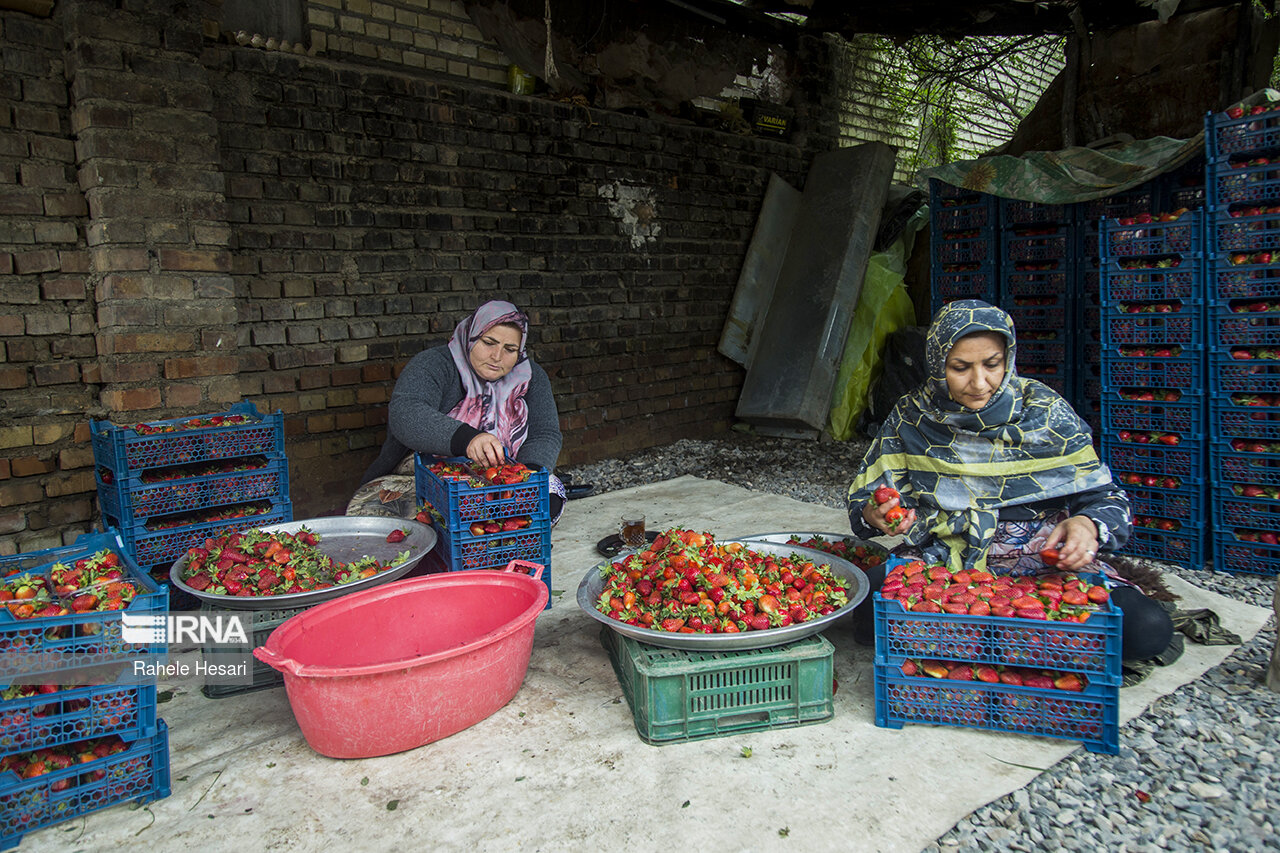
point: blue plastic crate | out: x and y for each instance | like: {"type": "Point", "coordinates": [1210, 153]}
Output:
{"type": "Point", "coordinates": [1232, 510]}
{"type": "Point", "coordinates": [1016, 212]}
{"type": "Point", "coordinates": [966, 281]}
{"type": "Point", "coordinates": [1186, 416]}
{"type": "Point", "coordinates": [1056, 245]}
{"type": "Point", "coordinates": [1232, 231]}
{"type": "Point", "coordinates": [1183, 324]}
{"type": "Point", "coordinates": [1037, 318]}
{"type": "Point", "coordinates": [1186, 547]}
{"type": "Point", "coordinates": [1118, 284]}
{"type": "Point", "coordinates": [953, 249]}
{"type": "Point", "coordinates": [139, 774]}
{"type": "Point", "coordinates": [149, 547]}
{"type": "Point", "coordinates": [1186, 462]}
{"type": "Point", "coordinates": [1090, 716]}
{"type": "Point", "coordinates": [1233, 555]}
{"type": "Point", "coordinates": [1124, 368]}
{"type": "Point", "coordinates": [123, 449]}
{"type": "Point", "coordinates": [1231, 182]}
{"type": "Point", "coordinates": [964, 216]}
{"type": "Point", "coordinates": [1183, 236]}
{"type": "Point", "coordinates": [459, 503]}
{"type": "Point", "coordinates": [1058, 381]}
{"type": "Point", "coordinates": [1226, 136]}
{"type": "Point", "coordinates": [1229, 466]}
{"type": "Point", "coordinates": [77, 640]}
{"type": "Point", "coordinates": [124, 707]}
{"type": "Point", "coordinates": [1243, 281]}
{"type": "Point", "coordinates": [1043, 283]}
{"type": "Point", "coordinates": [1131, 202]}
{"type": "Point", "coordinates": [1091, 647]}
{"type": "Point", "coordinates": [464, 550]}
{"type": "Point", "coordinates": [135, 497]}
{"type": "Point", "coordinates": [1043, 353]}
{"type": "Point", "coordinates": [1234, 417]}
{"type": "Point", "coordinates": [1187, 504]}
{"type": "Point", "coordinates": [1233, 327]}
{"type": "Point", "coordinates": [1230, 375]}
{"type": "Point", "coordinates": [941, 192]}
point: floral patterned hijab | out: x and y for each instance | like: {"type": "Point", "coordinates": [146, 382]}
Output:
{"type": "Point", "coordinates": [495, 407]}
{"type": "Point", "coordinates": [957, 467]}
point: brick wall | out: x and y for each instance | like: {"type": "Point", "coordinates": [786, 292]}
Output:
{"type": "Point", "coordinates": [185, 222]}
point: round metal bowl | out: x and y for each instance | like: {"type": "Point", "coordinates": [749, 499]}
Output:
{"type": "Point", "coordinates": [854, 580]}
{"type": "Point", "coordinates": [345, 538]}
{"type": "Point", "coordinates": [782, 539]}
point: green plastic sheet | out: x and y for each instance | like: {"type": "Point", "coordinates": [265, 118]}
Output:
{"type": "Point", "coordinates": [884, 306]}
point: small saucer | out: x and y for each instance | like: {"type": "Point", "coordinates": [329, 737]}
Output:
{"type": "Point", "coordinates": [610, 546]}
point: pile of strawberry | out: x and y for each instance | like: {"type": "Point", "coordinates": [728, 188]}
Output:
{"type": "Point", "coordinates": [490, 526]}
{"type": "Point", "coordinates": [94, 583]}
{"type": "Point", "coordinates": [686, 582]}
{"type": "Point", "coordinates": [29, 765]}
{"type": "Point", "coordinates": [864, 555]}
{"type": "Point", "coordinates": [1169, 439]}
{"type": "Point", "coordinates": [1150, 481]}
{"type": "Point", "coordinates": [192, 423]}
{"type": "Point", "coordinates": [456, 471]}
{"type": "Point", "coordinates": [258, 563]}
{"type": "Point", "coordinates": [110, 709]}
{"type": "Point", "coordinates": [1057, 596]}
{"type": "Point", "coordinates": [1018, 676]}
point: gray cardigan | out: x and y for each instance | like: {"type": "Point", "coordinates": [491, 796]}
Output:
{"type": "Point", "coordinates": [428, 388]}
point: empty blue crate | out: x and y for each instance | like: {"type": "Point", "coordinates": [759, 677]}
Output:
{"type": "Point", "coordinates": [1183, 235]}
{"type": "Point", "coordinates": [1248, 132]}
{"type": "Point", "coordinates": [160, 491]}
{"type": "Point", "coordinates": [240, 431]}
{"type": "Point", "coordinates": [139, 773]}
{"type": "Point", "coordinates": [465, 496]}
{"type": "Point", "coordinates": [32, 644]}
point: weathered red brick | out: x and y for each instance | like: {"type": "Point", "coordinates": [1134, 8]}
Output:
{"type": "Point", "coordinates": [131, 399]}
{"type": "Point", "coordinates": [41, 260]}
{"type": "Point", "coordinates": [205, 365]}
{"type": "Point", "coordinates": [206, 260]}
{"type": "Point", "coordinates": [13, 377]}
{"type": "Point", "coordinates": [16, 493]}
{"type": "Point", "coordinates": [30, 466]}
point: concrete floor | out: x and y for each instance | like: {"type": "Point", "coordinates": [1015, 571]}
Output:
{"type": "Point", "coordinates": [561, 766]}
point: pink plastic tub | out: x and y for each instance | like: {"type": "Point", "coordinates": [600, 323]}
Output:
{"type": "Point", "coordinates": [409, 662]}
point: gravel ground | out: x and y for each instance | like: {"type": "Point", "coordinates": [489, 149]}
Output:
{"type": "Point", "coordinates": [1203, 758]}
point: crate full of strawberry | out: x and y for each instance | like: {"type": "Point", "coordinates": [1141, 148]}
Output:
{"type": "Point", "coordinates": [240, 431]}
{"type": "Point", "coordinates": [1242, 129]}
{"type": "Point", "coordinates": [61, 607]}
{"type": "Point", "coordinates": [1246, 551]}
{"type": "Point", "coordinates": [1056, 621]}
{"type": "Point", "coordinates": [166, 538]}
{"type": "Point", "coordinates": [53, 784]}
{"type": "Point", "coordinates": [1016, 700]}
{"type": "Point", "coordinates": [462, 493]}
{"type": "Point", "coordinates": [33, 716]}
{"type": "Point", "coordinates": [182, 488]}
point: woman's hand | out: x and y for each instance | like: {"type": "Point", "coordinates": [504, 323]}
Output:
{"type": "Point", "coordinates": [889, 517]}
{"type": "Point", "coordinates": [1077, 542]}
{"type": "Point", "coordinates": [485, 449]}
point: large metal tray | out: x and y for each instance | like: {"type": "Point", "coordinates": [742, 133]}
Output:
{"type": "Point", "coordinates": [855, 581]}
{"type": "Point", "coordinates": [345, 538]}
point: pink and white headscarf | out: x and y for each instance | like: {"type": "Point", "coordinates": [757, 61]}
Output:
{"type": "Point", "coordinates": [494, 407]}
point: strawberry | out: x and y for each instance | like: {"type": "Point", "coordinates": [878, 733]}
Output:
{"type": "Point", "coordinates": [398, 534]}
{"type": "Point", "coordinates": [884, 494]}
{"type": "Point", "coordinates": [1068, 681]}
{"type": "Point", "coordinates": [909, 668]}
{"type": "Point", "coordinates": [961, 672]}
{"type": "Point", "coordinates": [987, 674]}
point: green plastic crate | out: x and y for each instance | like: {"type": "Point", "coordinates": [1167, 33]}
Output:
{"type": "Point", "coordinates": [677, 695]}
{"type": "Point", "coordinates": [263, 623]}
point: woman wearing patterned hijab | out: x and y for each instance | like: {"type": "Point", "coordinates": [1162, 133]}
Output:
{"type": "Point", "coordinates": [479, 396]}
{"type": "Point", "coordinates": [992, 468]}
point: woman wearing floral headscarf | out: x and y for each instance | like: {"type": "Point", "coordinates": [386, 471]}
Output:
{"type": "Point", "coordinates": [479, 396]}
{"type": "Point", "coordinates": [993, 468]}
